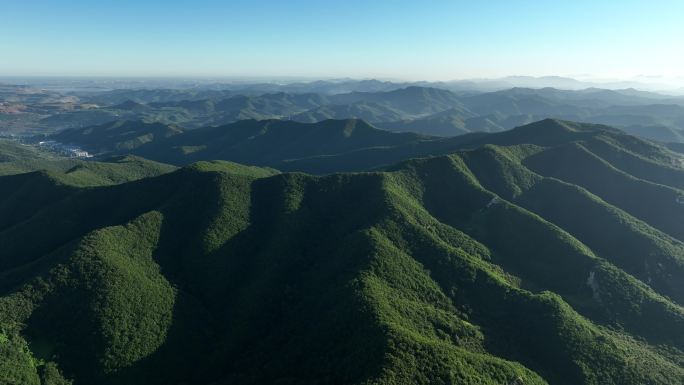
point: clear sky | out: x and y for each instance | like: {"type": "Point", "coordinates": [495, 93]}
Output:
{"type": "Point", "coordinates": [428, 39]}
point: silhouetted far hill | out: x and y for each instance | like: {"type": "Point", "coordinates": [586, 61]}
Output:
{"type": "Point", "coordinates": [412, 100]}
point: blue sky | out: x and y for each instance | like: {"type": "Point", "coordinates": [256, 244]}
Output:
{"type": "Point", "coordinates": [388, 39]}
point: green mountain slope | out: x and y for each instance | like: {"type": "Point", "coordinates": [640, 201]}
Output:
{"type": "Point", "coordinates": [422, 107]}
{"type": "Point", "coordinates": [348, 145]}
{"type": "Point", "coordinates": [452, 122]}
{"type": "Point", "coordinates": [268, 142]}
{"type": "Point", "coordinates": [116, 136]}
{"type": "Point", "coordinates": [495, 264]}
{"type": "Point", "coordinates": [368, 111]}
{"type": "Point", "coordinates": [322, 147]}
{"type": "Point", "coordinates": [16, 158]}
{"type": "Point", "coordinates": [413, 100]}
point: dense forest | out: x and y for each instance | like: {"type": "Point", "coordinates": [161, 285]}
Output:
{"type": "Point", "coordinates": [549, 254]}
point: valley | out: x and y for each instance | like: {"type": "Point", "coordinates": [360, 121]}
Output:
{"type": "Point", "coordinates": [526, 255]}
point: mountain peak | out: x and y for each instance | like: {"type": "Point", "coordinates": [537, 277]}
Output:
{"type": "Point", "coordinates": [129, 105]}
{"type": "Point", "coordinates": [551, 132]}
{"type": "Point", "coordinates": [559, 125]}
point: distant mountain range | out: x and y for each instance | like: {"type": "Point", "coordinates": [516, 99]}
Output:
{"type": "Point", "coordinates": [322, 147]}
{"type": "Point", "coordinates": [264, 143]}
{"type": "Point", "coordinates": [551, 253]}
{"type": "Point", "coordinates": [84, 86]}
{"type": "Point", "coordinates": [419, 109]}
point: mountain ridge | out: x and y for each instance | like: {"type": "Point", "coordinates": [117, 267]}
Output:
{"type": "Point", "coordinates": [492, 263]}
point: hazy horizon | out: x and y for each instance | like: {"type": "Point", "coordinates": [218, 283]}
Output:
{"type": "Point", "coordinates": [442, 40]}
{"type": "Point", "coordinates": [663, 86]}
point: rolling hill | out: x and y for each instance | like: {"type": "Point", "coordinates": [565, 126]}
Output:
{"type": "Point", "coordinates": [413, 100]}
{"type": "Point", "coordinates": [269, 142]}
{"type": "Point", "coordinates": [17, 158]}
{"type": "Point", "coordinates": [117, 136]}
{"type": "Point", "coordinates": [548, 254]}
{"type": "Point", "coordinates": [648, 115]}
{"type": "Point", "coordinates": [368, 111]}
{"type": "Point", "coordinates": [422, 107]}
{"type": "Point", "coordinates": [353, 145]}
{"type": "Point", "coordinates": [452, 122]}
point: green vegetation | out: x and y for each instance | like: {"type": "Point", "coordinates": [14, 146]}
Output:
{"type": "Point", "coordinates": [353, 145]}
{"type": "Point", "coordinates": [118, 136]}
{"type": "Point", "coordinates": [16, 159]}
{"type": "Point", "coordinates": [272, 142]}
{"type": "Point", "coordinates": [440, 109]}
{"type": "Point", "coordinates": [454, 121]}
{"type": "Point", "coordinates": [511, 260]}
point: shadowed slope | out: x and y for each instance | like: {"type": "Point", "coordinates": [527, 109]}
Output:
{"type": "Point", "coordinates": [454, 269]}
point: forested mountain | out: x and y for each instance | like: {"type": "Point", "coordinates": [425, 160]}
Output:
{"type": "Point", "coordinates": [412, 100]}
{"type": "Point", "coordinates": [425, 108]}
{"type": "Point", "coordinates": [118, 136]}
{"type": "Point", "coordinates": [549, 254]}
{"type": "Point", "coordinates": [451, 122]}
{"type": "Point", "coordinates": [16, 158]}
{"type": "Point", "coordinates": [272, 142]}
{"type": "Point", "coordinates": [323, 147]}
{"type": "Point", "coordinates": [197, 193]}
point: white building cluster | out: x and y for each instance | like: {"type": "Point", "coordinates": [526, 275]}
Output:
{"type": "Point", "coordinates": [63, 149]}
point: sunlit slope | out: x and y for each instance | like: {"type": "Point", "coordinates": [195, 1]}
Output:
{"type": "Point", "coordinates": [485, 266]}
{"type": "Point", "coordinates": [17, 159]}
